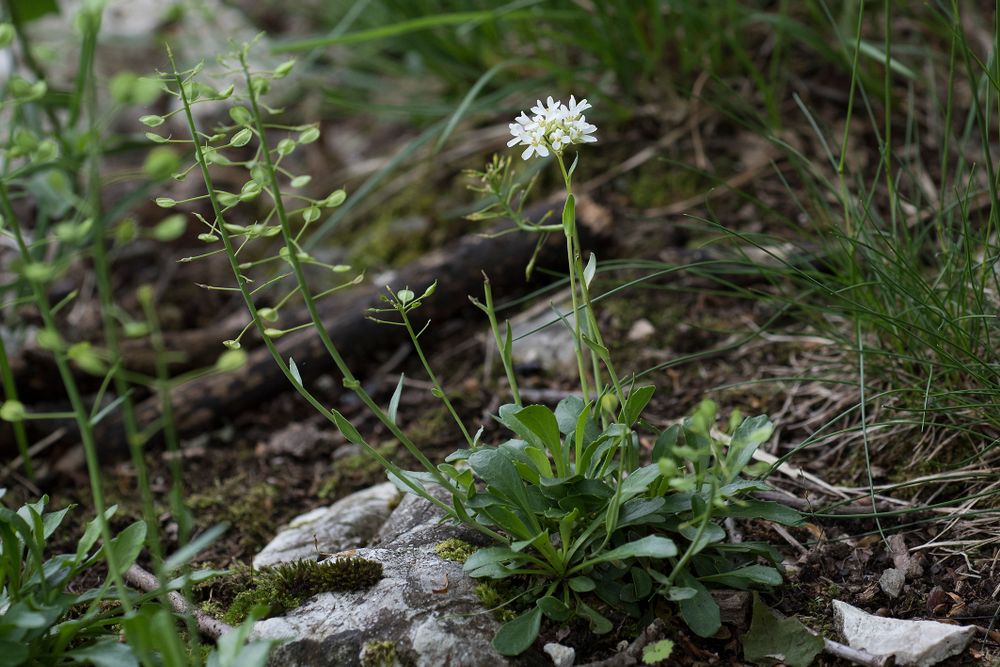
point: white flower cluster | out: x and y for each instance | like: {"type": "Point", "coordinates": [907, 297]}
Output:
{"type": "Point", "coordinates": [552, 127]}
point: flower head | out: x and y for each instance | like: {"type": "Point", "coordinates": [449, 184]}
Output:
{"type": "Point", "coordinates": [552, 127]}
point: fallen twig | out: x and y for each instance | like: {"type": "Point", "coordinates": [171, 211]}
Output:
{"type": "Point", "coordinates": [856, 655]}
{"type": "Point", "coordinates": [207, 626]}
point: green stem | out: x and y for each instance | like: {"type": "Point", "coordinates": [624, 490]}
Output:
{"type": "Point", "coordinates": [571, 253]}
{"type": "Point", "coordinates": [20, 434]}
{"type": "Point", "coordinates": [79, 410]}
{"type": "Point", "coordinates": [508, 365]}
{"type": "Point", "coordinates": [433, 377]}
{"type": "Point", "coordinates": [689, 553]}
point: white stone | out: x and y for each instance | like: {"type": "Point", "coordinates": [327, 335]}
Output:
{"type": "Point", "coordinates": [562, 656]}
{"type": "Point", "coordinates": [921, 643]}
{"type": "Point", "coordinates": [349, 523]}
{"type": "Point", "coordinates": [641, 330]}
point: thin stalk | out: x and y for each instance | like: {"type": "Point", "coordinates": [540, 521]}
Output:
{"type": "Point", "coordinates": [102, 272]}
{"type": "Point", "coordinates": [433, 377]}
{"type": "Point", "coordinates": [20, 433]}
{"type": "Point", "coordinates": [508, 366]}
{"type": "Point", "coordinates": [689, 553]}
{"type": "Point", "coordinates": [72, 391]}
{"type": "Point", "coordinates": [170, 437]}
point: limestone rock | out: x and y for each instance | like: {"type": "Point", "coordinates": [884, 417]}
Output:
{"type": "Point", "coordinates": [424, 609]}
{"type": "Point", "coordinates": [417, 523]}
{"type": "Point", "coordinates": [349, 523]}
{"type": "Point", "coordinates": [920, 643]}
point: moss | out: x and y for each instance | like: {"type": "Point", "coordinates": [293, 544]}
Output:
{"type": "Point", "coordinates": [356, 470]}
{"type": "Point", "coordinates": [454, 549]}
{"type": "Point", "coordinates": [494, 599]}
{"type": "Point", "coordinates": [285, 586]}
{"type": "Point", "coordinates": [378, 654]}
{"type": "Point", "coordinates": [251, 508]}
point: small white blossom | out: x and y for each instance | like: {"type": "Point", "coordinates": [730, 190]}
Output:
{"type": "Point", "coordinates": [553, 127]}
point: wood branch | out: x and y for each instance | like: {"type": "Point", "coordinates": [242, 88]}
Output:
{"type": "Point", "coordinates": [207, 626]}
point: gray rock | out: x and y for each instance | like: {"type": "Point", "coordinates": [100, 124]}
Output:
{"type": "Point", "coordinates": [543, 340]}
{"type": "Point", "coordinates": [562, 656]}
{"type": "Point", "coordinates": [424, 607]}
{"type": "Point", "coordinates": [920, 643]}
{"type": "Point", "coordinates": [417, 523]}
{"type": "Point", "coordinates": [892, 581]}
{"type": "Point", "coordinates": [349, 523]}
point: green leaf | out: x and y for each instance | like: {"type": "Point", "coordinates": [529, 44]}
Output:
{"type": "Point", "coordinates": [657, 651]}
{"type": "Point", "coordinates": [763, 509]}
{"type": "Point", "coordinates": [750, 435]}
{"type": "Point", "coordinates": [590, 270]}
{"type": "Point", "coordinates": [14, 653]}
{"type": "Point", "coordinates": [540, 427]}
{"type": "Point", "coordinates": [640, 510]}
{"type": "Point", "coordinates": [496, 469]}
{"type": "Point", "coordinates": [636, 403]}
{"type": "Point", "coordinates": [638, 481]}
{"type": "Point", "coordinates": [183, 556]}
{"type": "Point", "coordinates": [168, 642]}
{"type": "Point", "coordinates": [569, 215]}
{"type": "Point", "coordinates": [700, 611]}
{"type": "Point", "coordinates": [651, 546]}
{"type": "Point", "coordinates": [744, 576]}
{"type": "Point", "coordinates": [540, 460]}
{"type": "Point", "coordinates": [394, 401]}
{"type": "Point", "coordinates": [554, 608]}
{"type": "Point", "coordinates": [582, 584]}
{"type": "Point", "coordinates": [516, 636]}
{"type": "Point", "coordinates": [29, 10]}
{"type": "Point", "coordinates": [91, 534]}
{"type": "Point", "coordinates": [598, 623]}
{"type": "Point", "coordinates": [232, 649]}
{"type": "Point", "coordinates": [105, 653]}
{"type": "Point", "coordinates": [568, 412]}
{"type": "Point", "coordinates": [127, 545]}
{"type": "Point", "coordinates": [711, 534]}
{"type": "Point", "coordinates": [347, 429]}
{"type": "Point", "coordinates": [772, 640]}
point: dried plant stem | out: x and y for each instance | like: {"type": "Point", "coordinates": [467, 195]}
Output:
{"type": "Point", "coordinates": [207, 626]}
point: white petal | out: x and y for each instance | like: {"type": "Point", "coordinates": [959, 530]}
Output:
{"type": "Point", "coordinates": [542, 151]}
{"type": "Point", "coordinates": [527, 152]}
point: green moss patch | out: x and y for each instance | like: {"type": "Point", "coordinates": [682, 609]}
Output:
{"type": "Point", "coordinates": [286, 586]}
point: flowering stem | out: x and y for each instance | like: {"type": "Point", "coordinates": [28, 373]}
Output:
{"type": "Point", "coordinates": [576, 268]}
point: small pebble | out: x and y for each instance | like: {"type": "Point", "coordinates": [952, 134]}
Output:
{"type": "Point", "coordinates": [892, 581]}
{"type": "Point", "coordinates": [641, 330]}
{"type": "Point", "coordinates": [562, 656]}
